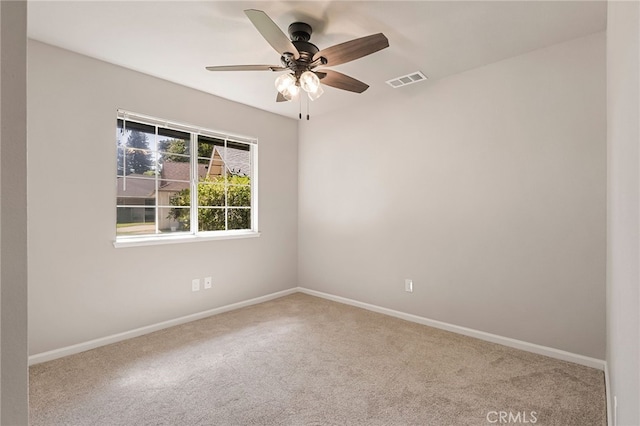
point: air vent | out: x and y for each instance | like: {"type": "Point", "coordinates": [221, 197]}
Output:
{"type": "Point", "coordinates": [404, 80]}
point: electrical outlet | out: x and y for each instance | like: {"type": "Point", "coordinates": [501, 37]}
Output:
{"type": "Point", "coordinates": [408, 285]}
{"type": "Point", "coordinates": [207, 283]}
{"type": "Point", "coordinates": [195, 284]}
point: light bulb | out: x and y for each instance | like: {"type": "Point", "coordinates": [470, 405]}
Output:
{"type": "Point", "coordinates": [309, 82]}
{"type": "Point", "coordinates": [285, 81]}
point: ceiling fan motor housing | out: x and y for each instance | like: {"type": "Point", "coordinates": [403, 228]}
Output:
{"type": "Point", "coordinates": [300, 34]}
{"type": "Point", "coordinates": [299, 31]}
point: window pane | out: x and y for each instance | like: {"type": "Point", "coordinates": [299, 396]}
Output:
{"type": "Point", "coordinates": [136, 190]}
{"type": "Point", "coordinates": [239, 218]}
{"type": "Point", "coordinates": [239, 195]}
{"type": "Point", "coordinates": [178, 218]}
{"type": "Point", "coordinates": [175, 194]}
{"type": "Point", "coordinates": [174, 149]}
{"type": "Point", "coordinates": [213, 167]}
{"type": "Point", "coordinates": [135, 221]}
{"type": "Point", "coordinates": [138, 162]}
{"type": "Point", "coordinates": [237, 158]}
{"type": "Point", "coordinates": [211, 193]}
{"type": "Point", "coordinates": [204, 167]}
{"type": "Point", "coordinates": [138, 155]}
{"type": "Point", "coordinates": [164, 158]}
{"type": "Point", "coordinates": [211, 219]}
{"type": "Point", "coordinates": [175, 171]}
{"type": "Point", "coordinates": [174, 219]}
{"type": "Point", "coordinates": [210, 162]}
{"type": "Point", "coordinates": [206, 146]}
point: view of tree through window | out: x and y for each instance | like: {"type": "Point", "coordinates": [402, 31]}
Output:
{"type": "Point", "coordinates": [156, 174]}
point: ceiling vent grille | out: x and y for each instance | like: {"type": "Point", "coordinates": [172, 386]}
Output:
{"type": "Point", "coordinates": [405, 80]}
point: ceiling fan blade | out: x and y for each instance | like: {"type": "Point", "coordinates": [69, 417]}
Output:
{"type": "Point", "coordinates": [246, 68]}
{"type": "Point", "coordinates": [271, 32]}
{"type": "Point", "coordinates": [341, 81]}
{"type": "Point", "coordinates": [354, 49]}
{"type": "Point", "coordinates": [280, 98]}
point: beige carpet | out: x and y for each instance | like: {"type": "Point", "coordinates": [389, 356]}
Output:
{"type": "Point", "coordinates": [301, 360]}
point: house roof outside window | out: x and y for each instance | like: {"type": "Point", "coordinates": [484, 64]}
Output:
{"type": "Point", "coordinates": [175, 175]}
{"type": "Point", "coordinates": [136, 188]}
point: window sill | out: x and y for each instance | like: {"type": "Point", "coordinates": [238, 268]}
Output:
{"type": "Point", "coordinates": [178, 239]}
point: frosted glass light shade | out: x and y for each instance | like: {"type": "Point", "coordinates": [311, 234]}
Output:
{"type": "Point", "coordinates": [309, 82]}
{"type": "Point", "coordinates": [315, 95]}
{"type": "Point", "coordinates": [286, 85]}
{"type": "Point", "coordinates": [291, 93]}
{"type": "Point", "coordinates": [284, 81]}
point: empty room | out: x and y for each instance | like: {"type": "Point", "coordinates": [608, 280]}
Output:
{"type": "Point", "coordinates": [320, 213]}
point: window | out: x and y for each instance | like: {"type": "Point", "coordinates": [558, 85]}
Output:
{"type": "Point", "coordinates": [175, 180]}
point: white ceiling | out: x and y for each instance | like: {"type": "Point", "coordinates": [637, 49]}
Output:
{"type": "Point", "coordinates": [176, 40]}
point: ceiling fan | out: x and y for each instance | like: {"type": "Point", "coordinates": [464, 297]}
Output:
{"type": "Point", "coordinates": [301, 58]}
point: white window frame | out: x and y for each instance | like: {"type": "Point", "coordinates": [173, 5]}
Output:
{"type": "Point", "coordinates": [194, 235]}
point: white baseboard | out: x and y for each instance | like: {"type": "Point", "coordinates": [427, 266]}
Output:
{"type": "Point", "coordinates": [494, 338]}
{"type": "Point", "coordinates": [92, 344]}
{"type": "Point", "coordinates": [506, 341]}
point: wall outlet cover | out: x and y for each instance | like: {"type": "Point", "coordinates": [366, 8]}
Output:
{"type": "Point", "coordinates": [195, 284]}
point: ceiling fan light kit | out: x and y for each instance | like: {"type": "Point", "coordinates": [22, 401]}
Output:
{"type": "Point", "coordinates": [301, 58]}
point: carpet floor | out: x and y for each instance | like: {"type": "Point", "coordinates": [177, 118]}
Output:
{"type": "Point", "coordinates": [302, 360]}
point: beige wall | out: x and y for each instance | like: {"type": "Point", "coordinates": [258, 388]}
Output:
{"type": "Point", "coordinates": [486, 188]}
{"type": "Point", "coordinates": [13, 214]}
{"type": "Point", "coordinates": [623, 230]}
{"type": "Point", "coordinates": [80, 286]}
